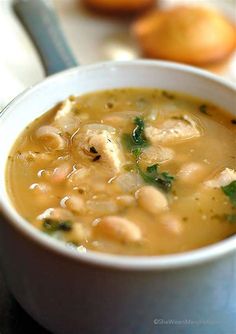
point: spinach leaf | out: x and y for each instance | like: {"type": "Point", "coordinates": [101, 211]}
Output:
{"type": "Point", "coordinates": [52, 225]}
{"type": "Point", "coordinates": [152, 176]}
{"type": "Point", "coordinates": [230, 191]}
{"type": "Point", "coordinates": [138, 132]}
{"type": "Point", "coordinates": [136, 141]}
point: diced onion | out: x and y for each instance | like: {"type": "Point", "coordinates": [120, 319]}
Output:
{"type": "Point", "coordinates": [129, 182]}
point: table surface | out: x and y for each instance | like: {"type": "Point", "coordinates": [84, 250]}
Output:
{"type": "Point", "coordinates": [13, 319]}
{"type": "Point", "coordinates": [108, 39]}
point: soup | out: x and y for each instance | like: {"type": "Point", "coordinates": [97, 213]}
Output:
{"type": "Point", "coordinates": [128, 171]}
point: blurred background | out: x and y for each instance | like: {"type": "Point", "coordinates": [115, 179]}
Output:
{"type": "Point", "coordinates": [92, 37]}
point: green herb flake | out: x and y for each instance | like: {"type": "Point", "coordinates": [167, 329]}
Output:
{"type": "Point", "coordinates": [138, 133]}
{"type": "Point", "coordinates": [230, 191]}
{"type": "Point", "coordinates": [137, 140]}
{"type": "Point", "coordinates": [129, 167]}
{"type": "Point", "coordinates": [52, 225]}
{"type": "Point", "coordinates": [137, 151]}
{"type": "Point", "coordinates": [231, 218]}
{"type": "Point", "coordinates": [152, 176]}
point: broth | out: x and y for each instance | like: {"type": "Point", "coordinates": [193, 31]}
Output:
{"type": "Point", "coordinates": [128, 171]}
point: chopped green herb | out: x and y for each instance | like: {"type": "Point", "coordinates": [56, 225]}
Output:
{"type": "Point", "coordinates": [137, 151]}
{"type": "Point", "coordinates": [52, 225]}
{"type": "Point", "coordinates": [153, 176]}
{"type": "Point", "coordinates": [230, 191]}
{"type": "Point", "coordinates": [137, 140]}
{"type": "Point", "coordinates": [231, 218]}
{"type": "Point", "coordinates": [138, 133]}
{"type": "Point", "coordinates": [203, 109]}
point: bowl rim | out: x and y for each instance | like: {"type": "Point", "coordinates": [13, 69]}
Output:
{"type": "Point", "coordinates": [119, 262]}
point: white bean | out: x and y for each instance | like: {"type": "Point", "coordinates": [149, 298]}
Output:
{"type": "Point", "coordinates": [78, 233]}
{"type": "Point", "coordinates": [56, 213]}
{"type": "Point", "coordinates": [151, 199]}
{"type": "Point", "coordinates": [43, 193]}
{"type": "Point", "coordinates": [171, 223]}
{"type": "Point", "coordinates": [40, 188]}
{"type": "Point", "coordinates": [74, 203]}
{"type": "Point", "coordinates": [51, 137]}
{"type": "Point", "coordinates": [192, 172]}
{"type": "Point", "coordinates": [78, 176]}
{"type": "Point", "coordinates": [61, 172]}
{"type": "Point", "coordinates": [125, 200]}
{"type": "Point", "coordinates": [120, 229]}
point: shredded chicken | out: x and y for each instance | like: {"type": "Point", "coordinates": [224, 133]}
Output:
{"type": "Point", "coordinates": [223, 179]}
{"type": "Point", "coordinates": [173, 130]}
{"type": "Point", "coordinates": [101, 147]}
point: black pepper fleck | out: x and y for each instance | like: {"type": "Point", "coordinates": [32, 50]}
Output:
{"type": "Point", "coordinates": [93, 150]}
{"type": "Point", "coordinates": [97, 157]}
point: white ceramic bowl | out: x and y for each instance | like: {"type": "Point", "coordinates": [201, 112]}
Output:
{"type": "Point", "coordinates": [70, 293]}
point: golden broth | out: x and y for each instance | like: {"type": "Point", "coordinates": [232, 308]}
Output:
{"type": "Point", "coordinates": [78, 169]}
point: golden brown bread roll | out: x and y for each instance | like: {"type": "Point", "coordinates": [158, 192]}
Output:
{"type": "Point", "coordinates": [119, 6]}
{"type": "Point", "coordinates": [193, 35]}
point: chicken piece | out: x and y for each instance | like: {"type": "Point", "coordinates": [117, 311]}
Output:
{"type": "Point", "coordinates": [100, 147]}
{"type": "Point", "coordinates": [223, 179]}
{"type": "Point", "coordinates": [158, 154]}
{"type": "Point", "coordinates": [64, 110]}
{"type": "Point", "coordinates": [65, 119]}
{"type": "Point", "coordinates": [173, 130]}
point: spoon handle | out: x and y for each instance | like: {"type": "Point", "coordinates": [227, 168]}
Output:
{"type": "Point", "coordinates": [39, 19]}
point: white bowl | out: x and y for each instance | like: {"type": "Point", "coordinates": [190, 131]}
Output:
{"type": "Point", "coordinates": [69, 292]}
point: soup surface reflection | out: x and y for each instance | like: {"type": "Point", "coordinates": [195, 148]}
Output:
{"type": "Point", "coordinates": [128, 171]}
